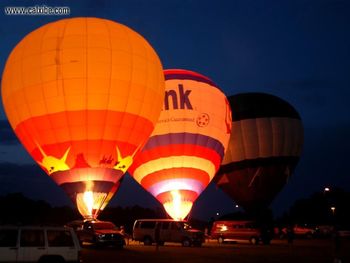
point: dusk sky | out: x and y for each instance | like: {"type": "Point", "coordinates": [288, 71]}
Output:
{"type": "Point", "coordinates": [298, 50]}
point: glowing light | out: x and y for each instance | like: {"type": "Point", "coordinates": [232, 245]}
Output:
{"type": "Point", "coordinates": [88, 198]}
{"type": "Point", "coordinates": [177, 208]}
{"type": "Point", "coordinates": [89, 202]}
{"type": "Point", "coordinates": [223, 228]}
{"type": "Point", "coordinates": [333, 209]}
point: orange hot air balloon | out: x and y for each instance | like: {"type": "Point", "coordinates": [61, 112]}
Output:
{"type": "Point", "coordinates": [188, 143]}
{"type": "Point", "coordinates": [265, 145]}
{"type": "Point", "coordinates": [83, 95]}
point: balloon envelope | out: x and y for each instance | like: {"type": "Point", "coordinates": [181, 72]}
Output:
{"type": "Point", "coordinates": [264, 148]}
{"type": "Point", "coordinates": [83, 95]}
{"type": "Point", "coordinates": [188, 143]}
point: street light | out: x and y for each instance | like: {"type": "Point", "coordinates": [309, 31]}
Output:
{"type": "Point", "coordinates": [326, 189]}
{"type": "Point", "coordinates": [333, 210]}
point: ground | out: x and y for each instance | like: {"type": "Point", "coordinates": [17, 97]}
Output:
{"type": "Point", "coordinates": [279, 251]}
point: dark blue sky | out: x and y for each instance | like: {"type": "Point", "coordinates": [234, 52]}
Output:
{"type": "Point", "coordinates": [298, 50]}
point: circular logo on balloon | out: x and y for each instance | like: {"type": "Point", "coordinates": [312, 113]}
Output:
{"type": "Point", "coordinates": [203, 120]}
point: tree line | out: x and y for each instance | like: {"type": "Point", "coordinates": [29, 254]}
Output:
{"type": "Point", "coordinates": [321, 208]}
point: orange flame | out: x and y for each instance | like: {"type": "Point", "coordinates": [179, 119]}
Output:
{"type": "Point", "coordinates": [90, 203]}
{"type": "Point", "coordinates": [178, 208]}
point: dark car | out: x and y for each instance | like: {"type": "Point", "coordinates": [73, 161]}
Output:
{"type": "Point", "coordinates": [100, 233]}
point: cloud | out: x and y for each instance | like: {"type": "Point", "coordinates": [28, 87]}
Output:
{"type": "Point", "coordinates": [326, 152]}
{"type": "Point", "coordinates": [33, 182]}
{"type": "Point", "coordinates": [12, 169]}
{"type": "Point", "coordinates": [7, 136]}
{"type": "Point", "coordinates": [132, 193]}
{"type": "Point", "coordinates": [30, 180]}
{"type": "Point", "coordinates": [323, 163]}
{"type": "Point", "coordinates": [303, 84]}
{"type": "Point", "coordinates": [319, 101]}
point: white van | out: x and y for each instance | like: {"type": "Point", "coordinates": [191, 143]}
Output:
{"type": "Point", "coordinates": [38, 244]}
{"type": "Point", "coordinates": [145, 230]}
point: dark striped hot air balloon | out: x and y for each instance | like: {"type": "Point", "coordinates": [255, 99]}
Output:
{"type": "Point", "coordinates": [83, 95]}
{"type": "Point", "coordinates": [265, 145]}
{"type": "Point", "coordinates": [187, 146]}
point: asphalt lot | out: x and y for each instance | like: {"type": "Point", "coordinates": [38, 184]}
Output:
{"type": "Point", "coordinates": [278, 251]}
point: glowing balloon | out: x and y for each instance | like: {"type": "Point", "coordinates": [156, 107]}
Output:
{"type": "Point", "coordinates": [188, 143]}
{"type": "Point", "coordinates": [265, 145]}
{"type": "Point", "coordinates": [83, 95]}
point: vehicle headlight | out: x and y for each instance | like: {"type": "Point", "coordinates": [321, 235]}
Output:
{"type": "Point", "coordinates": [101, 236]}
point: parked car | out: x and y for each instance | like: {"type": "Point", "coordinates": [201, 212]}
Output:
{"type": "Point", "coordinates": [151, 231]}
{"type": "Point", "coordinates": [100, 233]}
{"type": "Point", "coordinates": [230, 230]}
{"type": "Point", "coordinates": [299, 232]}
{"type": "Point", "coordinates": [343, 233]}
{"type": "Point", "coordinates": [323, 231]}
{"type": "Point", "coordinates": [38, 244]}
